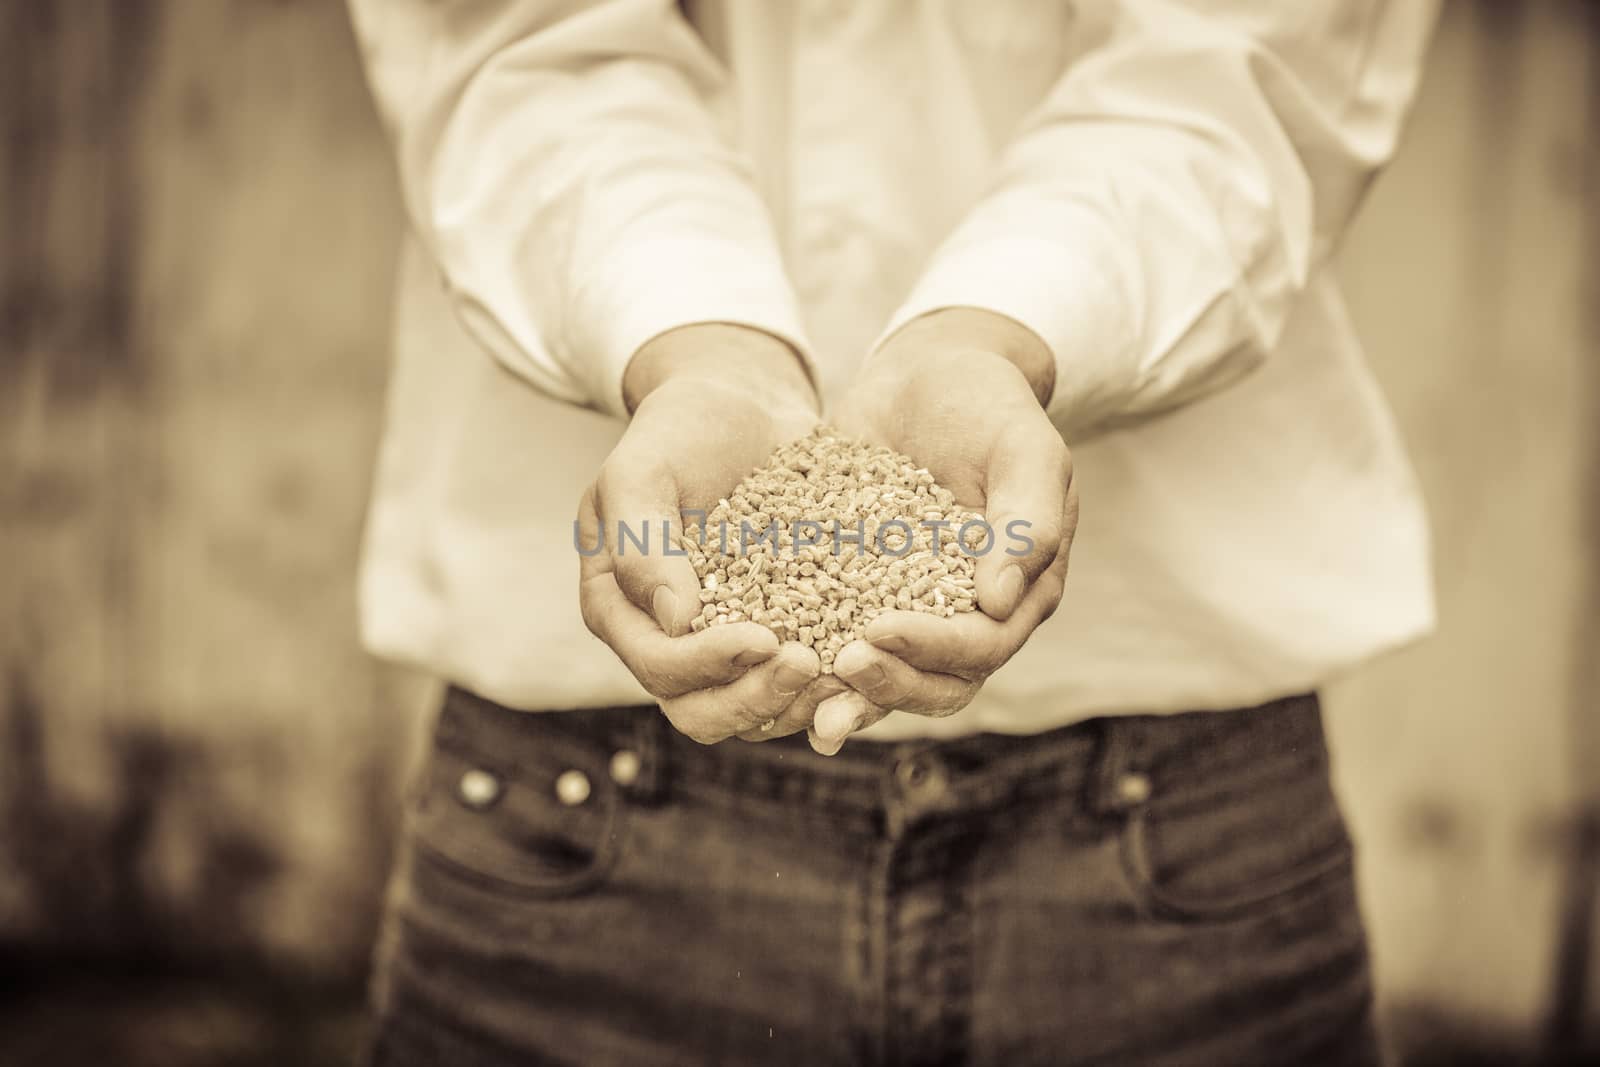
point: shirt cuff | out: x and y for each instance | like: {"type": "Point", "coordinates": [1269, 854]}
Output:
{"type": "Point", "coordinates": [1077, 308]}
{"type": "Point", "coordinates": [666, 283]}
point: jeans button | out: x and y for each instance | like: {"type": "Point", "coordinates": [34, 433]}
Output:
{"type": "Point", "coordinates": [911, 772]}
{"type": "Point", "coordinates": [1133, 788]}
{"type": "Point", "coordinates": [625, 767]}
{"type": "Point", "coordinates": [478, 789]}
{"type": "Point", "coordinates": [572, 788]}
{"type": "Point", "coordinates": [920, 776]}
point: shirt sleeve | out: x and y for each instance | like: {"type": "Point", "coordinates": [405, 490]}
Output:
{"type": "Point", "coordinates": [1158, 214]}
{"type": "Point", "coordinates": [569, 167]}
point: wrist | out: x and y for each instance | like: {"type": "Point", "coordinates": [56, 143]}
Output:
{"type": "Point", "coordinates": [742, 358]}
{"type": "Point", "coordinates": [968, 329]}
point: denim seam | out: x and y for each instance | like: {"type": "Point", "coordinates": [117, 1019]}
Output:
{"type": "Point", "coordinates": [512, 877]}
{"type": "Point", "coordinates": [809, 811]}
{"type": "Point", "coordinates": [1260, 893]}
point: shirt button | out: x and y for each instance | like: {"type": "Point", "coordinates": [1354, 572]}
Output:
{"type": "Point", "coordinates": [1133, 788]}
{"type": "Point", "coordinates": [625, 767]}
{"type": "Point", "coordinates": [572, 788]}
{"type": "Point", "coordinates": [478, 789]}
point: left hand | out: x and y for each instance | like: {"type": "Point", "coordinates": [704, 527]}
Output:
{"type": "Point", "coordinates": [962, 392]}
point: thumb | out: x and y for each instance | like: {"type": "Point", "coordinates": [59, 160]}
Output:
{"type": "Point", "coordinates": [641, 524]}
{"type": "Point", "coordinates": [1029, 475]}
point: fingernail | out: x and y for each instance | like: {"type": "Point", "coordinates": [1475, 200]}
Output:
{"type": "Point", "coordinates": [788, 679]}
{"type": "Point", "coordinates": [824, 746]}
{"type": "Point", "coordinates": [1010, 586]}
{"type": "Point", "coordinates": [752, 656]}
{"type": "Point", "coordinates": [664, 602]}
{"type": "Point", "coordinates": [829, 712]}
{"type": "Point", "coordinates": [893, 644]}
{"type": "Point", "coordinates": [855, 724]}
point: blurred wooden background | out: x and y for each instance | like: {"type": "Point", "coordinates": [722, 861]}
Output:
{"type": "Point", "coordinates": [197, 225]}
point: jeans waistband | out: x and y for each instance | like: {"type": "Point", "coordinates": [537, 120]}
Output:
{"type": "Point", "coordinates": [1107, 765]}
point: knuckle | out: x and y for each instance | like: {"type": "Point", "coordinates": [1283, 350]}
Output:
{"type": "Point", "coordinates": [1051, 603]}
{"type": "Point", "coordinates": [1069, 516]}
{"type": "Point", "coordinates": [604, 488]}
{"type": "Point", "coordinates": [989, 661]}
{"type": "Point", "coordinates": [656, 681]}
{"type": "Point", "coordinates": [586, 501]}
{"type": "Point", "coordinates": [590, 613]}
{"type": "Point", "coordinates": [1040, 438]}
{"type": "Point", "coordinates": [749, 714]}
{"type": "Point", "coordinates": [651, 682]}
{"type": "Point", "coordinates": [1050, 444]}
{"type": "Point", "coordinates": [1059, 454]}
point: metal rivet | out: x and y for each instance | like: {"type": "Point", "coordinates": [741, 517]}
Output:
{"type": "Point", "coordinates": [912, 772]}
{"type": "Point", "coordinates": [1134, 788]}
{"type": "Point", "coordinates": [625, 767]}
{"type": "Point", "coordinates": [572, 788]}
{"type": "Point", "coordinates": [478, 788]}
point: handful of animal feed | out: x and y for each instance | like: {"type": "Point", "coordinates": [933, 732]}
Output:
{"type": "Point", "coordinates": [829, 534]}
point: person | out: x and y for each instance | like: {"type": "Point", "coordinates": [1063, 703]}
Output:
{"type": "Point", "coordinates": [651, 242]}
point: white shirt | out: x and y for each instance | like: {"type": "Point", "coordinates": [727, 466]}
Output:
{"type": "Point", "coordinates": [1153, 186]}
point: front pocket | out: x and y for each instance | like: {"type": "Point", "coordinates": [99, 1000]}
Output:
{"type": "Point", "coordinates": [508, 828]}
{"type": "Point", "coordinates": [1264, 839]}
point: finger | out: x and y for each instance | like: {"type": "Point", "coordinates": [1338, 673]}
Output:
{"type": "Point", "coordinates": [840, 716]}
{"type": "Point", "coordinates": [969, 644]}
{"type": "Point", "coordinates": [637, 505]}
{"type": "Point", "coordinates": [800, 712]}
{"type": "Point", "coordinates": [712, 715]}
{"type": "Point", "coordinates": [1028, 473]}
{"type": "Point", "coordinates": [890, 682]}
{"type": "Point", "coordinates": [669, 667]}
{"type": "Point", "coordinates": [594, 555]}
{"type": "Point", "coordinates": [1069, 523]}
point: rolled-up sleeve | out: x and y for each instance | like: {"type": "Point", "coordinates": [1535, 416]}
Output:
{"type": "Point", "coordinates": [568, 166]}
{"type": "Point", "coordinates": [1159, 213]}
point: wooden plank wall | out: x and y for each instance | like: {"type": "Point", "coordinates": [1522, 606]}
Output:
{"type": "Point", "coordinates": [1472, 274]}
{"type": "Point", "coordinates": [200, 225]}
{"type": "Point", "coordinates": [198, 230]}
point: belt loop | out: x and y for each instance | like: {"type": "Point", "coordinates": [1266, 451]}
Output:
{"type": "Point", "coordinates": [1110, 767]}
{"type": "Point", "coordinates": [649, 741]}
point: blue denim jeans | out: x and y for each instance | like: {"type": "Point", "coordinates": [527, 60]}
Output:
{"type": "Point", "coordinates": [592, 888]}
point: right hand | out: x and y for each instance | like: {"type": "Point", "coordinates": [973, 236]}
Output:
{"type": "Point", "coordinates": [710, 403]}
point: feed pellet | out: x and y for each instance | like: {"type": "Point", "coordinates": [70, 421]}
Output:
{"type": "Point", "coordinates": [829, 534]}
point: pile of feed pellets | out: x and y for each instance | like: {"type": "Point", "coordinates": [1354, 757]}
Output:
{"type": "Point", "coordinates": [828, 535]}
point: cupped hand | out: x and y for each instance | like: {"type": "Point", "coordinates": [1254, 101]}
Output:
{"type": "Point", "coordinates": [963, 393]}
{"type": "Point", "coordinates": [709, 403]}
